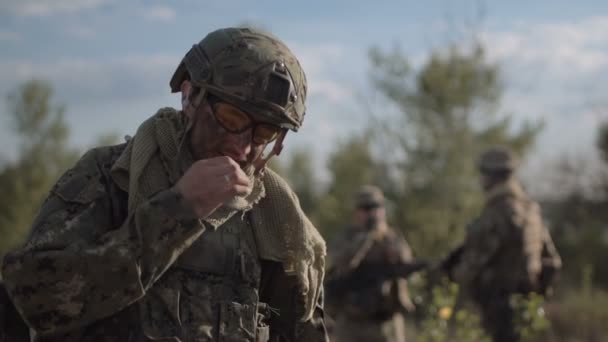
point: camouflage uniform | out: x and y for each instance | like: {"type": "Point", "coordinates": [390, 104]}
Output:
{"type": "Point", "coordinates": [375, 313]}
{"type": "Point", "coordinates": [505, 250]}
{"type": "Point", "coordinates": [93, 271]}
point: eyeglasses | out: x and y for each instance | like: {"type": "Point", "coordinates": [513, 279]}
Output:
{"type": "Point", "coordinates": [368, 207]}
{"type": "Point", "coordinates": [234, 120]}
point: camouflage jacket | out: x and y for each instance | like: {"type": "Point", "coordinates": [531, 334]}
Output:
{"type": "Point", "coordinates": [382, 300]}
{"type": "Point", "coordinates": [504, 247]}
{"type": "Point", "coordinates": [91, 272]}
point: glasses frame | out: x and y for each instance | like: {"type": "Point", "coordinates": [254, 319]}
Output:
{"type": "Point", "coordinates": [253, 124]}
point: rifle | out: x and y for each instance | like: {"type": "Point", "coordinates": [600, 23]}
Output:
{"type": "Point", "coordinates": [368, 275]}
{"type": "Point", "coordinates": [447, 264]}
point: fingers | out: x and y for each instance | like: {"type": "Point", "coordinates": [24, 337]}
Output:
{"type": "Point", "coordinates": [240, 190]}
{"type": "Point", "coordinates": [222, 176]}
{"type": "Point", "coordinates": [226, 168]}
{"type": "Point", "coordinates": [210, 182]}
{"type": "Point", "coordinates": [237, 182]}
{"type": "Point", "coordinates": [234, 173]}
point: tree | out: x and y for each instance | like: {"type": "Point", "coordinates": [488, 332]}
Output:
{"type": "Point", "coordinates": [602, 141]}
{"type": "Point", "coordinates": [577, 213]}
{"type": "Point", "coordinates": [448, 113]}
{"type": "Point", "coordinates": [43, 156]}
{"type": "Point", "coordinates": [300, 174]}
{"type": "Point", "coordinates": [350, 165]}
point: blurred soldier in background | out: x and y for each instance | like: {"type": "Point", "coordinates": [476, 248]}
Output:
{"type": "Point", "coordinates": [507, 249]}
{"type": "Point", "coordinates": [182, 233]}
{"type": "Point", "coordinates": [366, 290]}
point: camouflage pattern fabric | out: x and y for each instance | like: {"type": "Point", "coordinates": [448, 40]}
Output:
{"type": "Point", "coordinates": [252, 69]}
{"type": "Point", "coordinates": [156, 158]}
{"type": "Point", "coordinates": [90, 271]}
{"type": "Point", "coordinates": [503, 254]}
{"type": "Point", "coordinates": [373, 314]}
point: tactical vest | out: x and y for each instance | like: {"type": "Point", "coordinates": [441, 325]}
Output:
{"type": "Point", "coordinates": [217, 281]}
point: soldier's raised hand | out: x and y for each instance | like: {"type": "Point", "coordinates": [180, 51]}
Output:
{"type": "Point", "coordinates": [210, 182]}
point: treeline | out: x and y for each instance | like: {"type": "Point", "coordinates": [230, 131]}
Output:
{"type": "Point", "coordinates": [422, 156]}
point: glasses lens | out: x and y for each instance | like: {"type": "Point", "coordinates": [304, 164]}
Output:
{"type": "Point", "coordinates": [231, 118]}
{"type": "Point", "coordinates": [265, 133]}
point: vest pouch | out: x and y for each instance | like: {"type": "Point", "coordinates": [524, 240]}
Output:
{"type": "Point", "coordinates": [238, 322]}
{"type": "Point", "coordinates": [159, 312]}
{"type": "Point", "coordinates": [263, 316]}
{"type": "Point", "coordinates": [262, 334]}
{"type": "Point", "coordinates": [215, 252]}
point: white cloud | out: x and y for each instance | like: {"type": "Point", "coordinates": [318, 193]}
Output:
{"type": "Point", "coordinates": [159, 13]}
{"type": "Point", "coordinates": [8, 36]}
{"type": "Point", "coordinates": [556, 72]}
{"type": "Point", "coordinates": [321, 63]}
{"type": "Point", "coordinates": [100, 97]}
{"type": "Point", "coordinates": [92, 82]}
{"type": "Point", "coordinates": [565, 48]}
{"type": "Point", "coordinates": [553, 71]}
{"type": "Point", "coordinates": [333, 90]}
{"type": "Point", "coordinates": [40, 8]}
{"type": "Point", "coordinates": [316, 57]}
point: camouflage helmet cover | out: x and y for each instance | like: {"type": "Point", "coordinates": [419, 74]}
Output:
{"type": "Point", "coordinates": [250, 69]}
{"type": "Point", "coordinates": [369, 195]}
{"type": "Point", "coordinates": [497, 159]}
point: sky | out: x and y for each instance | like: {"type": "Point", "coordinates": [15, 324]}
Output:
{"type": "Point", "coordinates": [110, 61]}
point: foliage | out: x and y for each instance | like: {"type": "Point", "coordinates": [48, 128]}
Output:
{"type": "Point", "coordinates": [42, 157]}
{"type": "Point", "coordinates": [530, 320]}
{"type": "Point", "coordinates": [602, 141]}
{"type": "Point", "coordinates": [302, 179]}
{"type": "Point", "coordinates": [443, 316]}
{"type": "Point", "coordinates": [579, 315]}
{"type": "Point", "coordinates": [448, 115]}
{"type": "Point", "coordinates": [350, 165]}
{"type": "Point", "coordinates": [580, 233]}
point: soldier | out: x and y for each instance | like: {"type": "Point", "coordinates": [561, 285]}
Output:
{"type": "Point", "coordinates": [182, 234]}
{"type": "Point", "coordinates": [364, 309]}
{"type": "Point", "coordinates": [507, 249]}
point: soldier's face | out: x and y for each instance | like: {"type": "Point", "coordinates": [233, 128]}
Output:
{"type": "Point", "coordinates": [489, 181]}
{"type": "Point", "coordinates": [369, 215]}
{"type": "Point", "coordinates": [209, 139]}
{"type": "Point", "coordinates": [485, 182]}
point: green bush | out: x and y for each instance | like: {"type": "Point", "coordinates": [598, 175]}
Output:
{"type": "Point", "coordinates": [579, 315]}
{"type": "Point", "coordinates": [530, 320]}
{"type": "Point", "coordinates": [442, 315]}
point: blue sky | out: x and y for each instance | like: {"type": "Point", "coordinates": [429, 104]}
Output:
{"type": "Point", "coordinates": [110, 61]}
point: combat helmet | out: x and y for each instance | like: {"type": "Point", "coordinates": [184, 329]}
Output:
{"type": "Point", "coordinates": [497, 159]}
{"type": "Point", "coordinates": [369, 196]}
{"type": "Point", "coordinates": [251, 69]}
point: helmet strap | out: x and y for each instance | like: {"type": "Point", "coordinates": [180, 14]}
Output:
{"type": "Point", "coordinates": [260, 163]}
{"type": "Point", "coordinates": [198, 99]}
{"type": "Point", "coordinates": [194, 104]}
